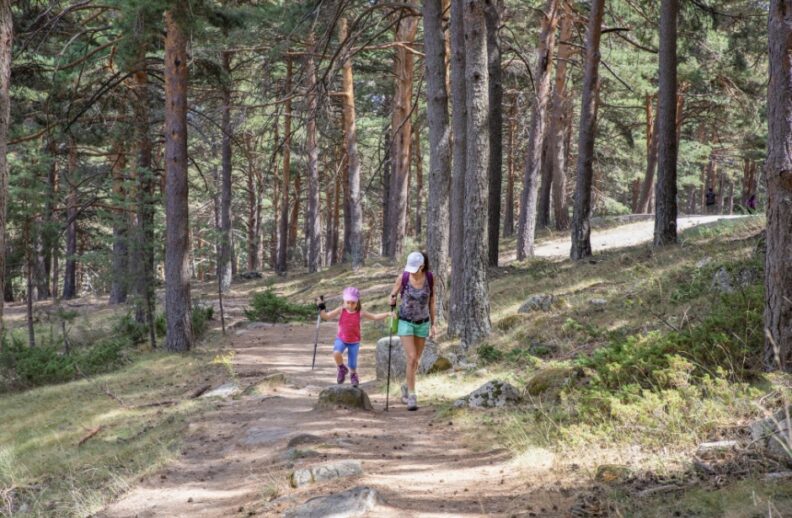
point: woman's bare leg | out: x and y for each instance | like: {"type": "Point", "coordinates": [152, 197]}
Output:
{"type": "Point", "coordinates": [413, 348]}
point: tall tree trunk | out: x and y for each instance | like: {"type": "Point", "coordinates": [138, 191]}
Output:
{"type": "Point", "coordinates": [493, 18]}
{"type": "Point", "coordinates": [456, 319]}
{"type": "Point", "coordinates": [560, 122]}
{"type": "Point", "coordinates": [778, 267]}
{"type": "Point", "coordinates": [581, 219]}
{"type": "Point", "coordinates": [353, 224]}
{"type": "Point", "coordinates": [294, 218]}
{"type": "Point", "coordinates": [6, 44]}
{"type": "Point", "coordinates": [546, 175]}
{"type": "Point", "coordinates": [437, 224]}
{"type": "Point", "coordinates": [224, 268]}
{"type": "Point", "coordinates": [508, 217]}
{"type": "Point", "coordinates": [50, 237]}
{"type": "Point", "coordinates": [286, 184]}
{"type": "Point", "coordinates": [401, 132]}
{"type": "Point", "coordinates": [387, 169]}
{"type": "Point", "coordinates": [544, 59]}
{"type": "Point", "coordinates": [313, 220]}
{"type": "Point", "coordinates": [29, 282]}
{"type": "Point", "coordinates": [730, 199]}
{"type": "Point", "coordinates": [179, 336]}
{"type": "Point", "coordinates": [120, 262]}
{"type": "Point", "coordinates": [419, 182]}
{"type": "Point", "coordinates": [667, 144]}
{"type": "Point", "coordinates": [70, 272]}
{"type": "Point", "coordinates": [647, 188]}
{"type": "Point", "coordinates": [721, 190]}
{"type": "Point", "coordinates": [477, 318]}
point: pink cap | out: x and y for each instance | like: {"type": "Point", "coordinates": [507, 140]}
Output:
{"type": "Point", "coordinates": [351, 294]}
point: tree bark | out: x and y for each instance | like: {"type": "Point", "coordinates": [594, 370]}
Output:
{"type": "Point", "coordinates": [559, 122]}
{"type": "Point", "coordinates": [313, 221]}
{"type": "Point", "coordinates": [508, 217]}
{"type": "Point", "coordinates": [493, 18]}
{"type": "Point", "coordinates": [70, 271]}
{"type": "Point", "coordinates": [546, 175]}
{"type": "Point", "coordinates": [437, 223]}
{"type": "Point", "coordinates": [401, 136]}
{"type": "Point", "coordinates": [353, 228]}
{"type": "Point", "coordinates": [283, 246]}
{"type": "Point", "coordinates": [224, 268]}
{"type": "Point", "coordinates": [179, 336]}
{"type": "Point", "coordinates": [6, 45]}
{"type": "Point", "coordinates": [419, 182]}
{"type": "Point", "coordinates": [526, 230]}
{"type": "Point", "coordinates": [456, 319]}
{"type": "Point", "coordinates": [778, 267]}
{"type": "Point", "coordinates": [667, 144]}
{"type": "Point", "coordinates": [120, 262]}
{"type": "Point", "coordinates": [647, 188]}
{"type": "Point", "coordinates": [477, 319]}
{"type": "Point", "coordinates": [581, 220]}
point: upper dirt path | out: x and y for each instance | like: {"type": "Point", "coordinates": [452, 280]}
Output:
{"type": "Point", "coordinates": [234, 460]}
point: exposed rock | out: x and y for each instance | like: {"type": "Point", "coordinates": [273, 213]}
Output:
{"type": "Point", "coordinates": [304, 439]}
{"type": "Point", "coordinates": [703, 262]}
{"type": "Point", "coordinates": [327, 471]}
{"type": "Point", "coordinates": [612, 473]}
{"type": "Point", "coordinates": [492, 394]}
{"type": "Point", "coordinates": [548, 380]}
{"type": "Point", "coordinates": [345, 396]}
{"type": "Point", "coordinates": [431, 359]}
{"type": "Point", "coordinates": [709, 449]}
{"type": "Point", "coordinates": [296, 453]}
{"type": "Point", "coordinates": [773, 433]}
{"type": "Point", "coordinates": [250, 275]}
{"type": "Point", "coordinates": [225, 390]}
{"type": "Point", "coordinates": [264, 435]}
{"type": "Point", "coordinates": [598, 303]}
{"type": "Point", "coordinates": [537, 303]}
{"type": "Point", "coordinates": [357, 501]}
{"type": "Point", "coordinates": [259, 325]}
{"type": "Point", "coordinates": [725, 282]}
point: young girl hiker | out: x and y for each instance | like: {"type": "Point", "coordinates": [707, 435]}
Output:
{"type": "Point", "coordinates": [416, 317]}
{"type": "Point", "coordinates": [349, 315]}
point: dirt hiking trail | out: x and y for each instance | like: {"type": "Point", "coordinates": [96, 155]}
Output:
{"type": "Point", "coordinates": [234, 460]}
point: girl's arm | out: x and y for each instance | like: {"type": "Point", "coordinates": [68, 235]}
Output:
{"type": "Point", "coordinates": [395, 290]}
{"type": "Point", "coordinates": [374, 316]}
{"type": "Point", "coordinates": [329, 315]}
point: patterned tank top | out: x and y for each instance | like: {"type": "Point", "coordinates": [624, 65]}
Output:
{"type": "Point", "coordinates": [415, 302]}
{"type": "Point", "coordinates": [349, 327]}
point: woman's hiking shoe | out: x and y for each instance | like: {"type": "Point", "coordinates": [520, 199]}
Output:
{"type": "Point", "coordinates": [404, 394]}
{"type": "Point", "coordinates": [412, 402]}
{"type": "Point", "coordinates": [342, 372]}
{"type": "Point", "coordinates": [353, 379]}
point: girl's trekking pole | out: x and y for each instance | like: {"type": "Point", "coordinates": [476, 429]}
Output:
{"type": "Point", "coordinates": [316, 340]}
{"type": "Point", "coordinates": [390, 346]}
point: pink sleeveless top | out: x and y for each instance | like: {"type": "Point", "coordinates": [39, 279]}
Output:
{"type": "Point", "coordinates": [349, 327]}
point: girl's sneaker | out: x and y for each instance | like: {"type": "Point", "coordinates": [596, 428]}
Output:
{"type": "Point", "coordinates": [353, 379]}
{"type": "Point", "coordinates": [342, 372]}
{"type": "Point", "coordinates": [404, 394]}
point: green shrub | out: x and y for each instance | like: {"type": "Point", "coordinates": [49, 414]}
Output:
{"type": "Point", "coordinates": [489, 354]}
{"type": "Point", "coordinates": [200, 316]}
{"type": "Point", "coordinates": [267, 306]}
{"type": "Point", "coordinates": [129, 327]}
{"type": "Point", "coordinates": [729, 338]}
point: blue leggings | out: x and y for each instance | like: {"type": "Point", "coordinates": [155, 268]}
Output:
{"type": "Point", "coordinates": [353, 349]}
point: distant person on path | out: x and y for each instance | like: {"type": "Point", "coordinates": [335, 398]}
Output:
{"type": "Point", "coordinates": [416, 317]}
{"type": "Point", "coordinates": [751, 204]}
{"type": "Point", "coordinates": [710, 198]}
{"type": "Point", "coordinates": [348, 338]}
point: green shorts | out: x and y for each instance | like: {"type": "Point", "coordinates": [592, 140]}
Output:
{"type": "Point", "coordinates": [410, 329]}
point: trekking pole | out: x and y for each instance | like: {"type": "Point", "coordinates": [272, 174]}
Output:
{"type": "Point", "coordinates": [316, 340]}
{"type": "Point", "coordinates": [390, 346]}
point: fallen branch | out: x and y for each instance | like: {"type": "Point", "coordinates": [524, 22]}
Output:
{"type": "Point", "coordinates": [157, 403]}
{"type": "Point", "coordinates": [89, 435]}
{"type": "Point", "coordinates": [114, 397]}
{"type": "Point", "coordinates": [199, 391]}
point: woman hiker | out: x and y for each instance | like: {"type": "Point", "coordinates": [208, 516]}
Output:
{"type": "Point", "coordinates": [416, 317]}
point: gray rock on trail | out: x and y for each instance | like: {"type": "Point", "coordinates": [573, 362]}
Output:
{"type": "Point", "coordinates": [493, 394]}
{"type": "Point", "coordinates": [304, 439]}
{"type": "Point", "coordinates": [226, 390]}
{"type": "Point", "coordinates": [343, 395]}
{"type": "Point", "coordinates": [357, 501]}
{"type": "Point", "coordinates": [431, 359]}
{"type": "Point", "coordinates": [328, 471]}
{"type": "Point", "coordinates": [537, 303]}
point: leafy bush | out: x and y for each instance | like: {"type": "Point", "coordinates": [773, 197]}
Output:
{"type": "Point", "coordinates": [23, 367]}
{"type": "Point", "coordinates": [267, 306]}
{"type": "Point", "coordinates": [129, 327]}
{"type": "Point", "coordinates": [729, 338]}
{"type": "Point", "coordinates": [200, 316]}
{"type": "Point", "coordinates": [489, 354]}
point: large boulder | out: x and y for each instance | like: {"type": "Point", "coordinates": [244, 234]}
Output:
{"type": "Point", "coordinates": [495, 393]}
{"type": "Point", "coordinates": [357, 501]}
{"type": "Point", "coordinates": [327, 471]}
{"type": "Point", "coordinates": [431, 359]}
{"type": "Point", "coordinates": [537, 303]}
{"type": "Point", "coordinates": [345, 396]}
{"type": "Point", "coordinates": [773, 433]}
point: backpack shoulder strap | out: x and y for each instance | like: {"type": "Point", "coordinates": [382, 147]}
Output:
{"type": "Point", "coordinates": [430, 277]}
{"type": "Point", "coordinates": [405, 280]}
